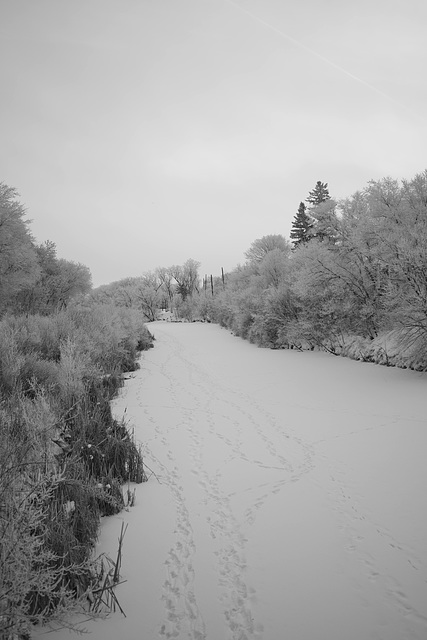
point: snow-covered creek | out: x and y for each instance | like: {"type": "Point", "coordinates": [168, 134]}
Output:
{"type": "Point", "coordinates": [292, 496]}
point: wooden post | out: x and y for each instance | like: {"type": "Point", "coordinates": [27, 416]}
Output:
{"type": "Point", "coordinates": [223, 279]}
{"type": "Point", "coordinates": [212, 284]}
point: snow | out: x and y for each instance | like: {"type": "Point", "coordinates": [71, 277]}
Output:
{"type": "Point", "coordinates": [291, 501]}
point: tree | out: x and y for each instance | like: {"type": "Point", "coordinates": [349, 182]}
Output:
{"type": "Point", "coordinates": [34, 298]}
{"type": "Point", "coordinates": [165, 278]}
{"type": "Point", "coordinates": [186, 277]}
{"type": "Point", "coordinates": [273, 268]}
{"type": "Point", "coordinates": [319, 194]}
{"type": "Point", "coordinates": [18, 259]}
{"type": "Point", "coordinates": [325, 222]}
{"type": "Point", "coordinates": [260, 247]}
{"type": "Point", "coordinates": [58, 281]}
{"type": "Point", "coordinates": [73, 278]}
{"type": "Point", "coordinates": [301, 225]}
{"type": "Point", "coordinates": [398, 233]}
{"type": "Point", "coordinates": [148, 298]}
{"type": "Point", "coordinates": [324, 289]}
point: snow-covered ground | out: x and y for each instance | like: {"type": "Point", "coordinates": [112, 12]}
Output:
{"type": "Point", "coordinates": [291, 502]}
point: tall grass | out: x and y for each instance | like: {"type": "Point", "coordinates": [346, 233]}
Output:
{"type": "Point", "coordinates": [63, 456]}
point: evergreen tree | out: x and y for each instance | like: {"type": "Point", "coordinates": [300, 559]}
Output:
{"type": "Point", "coordinates": [319, 194]}
{"type": "Point", "coordinates": [301, 225]}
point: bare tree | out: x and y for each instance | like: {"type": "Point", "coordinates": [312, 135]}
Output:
{"type": "Point", "coordinates": [186, 277]}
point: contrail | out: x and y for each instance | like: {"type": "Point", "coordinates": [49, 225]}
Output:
{"type": "Point", "coordinates": [332, 64]}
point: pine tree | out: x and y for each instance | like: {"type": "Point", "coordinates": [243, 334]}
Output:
{"type": "Point", "coordinates": [319, 194]}
{"type": "Point", "coordinates": [301, 225]}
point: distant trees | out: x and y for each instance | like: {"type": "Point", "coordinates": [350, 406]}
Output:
{"type": "Point", "coordinates": [165, 287]}
{"type": "Point", "coordinates": [141, 293]}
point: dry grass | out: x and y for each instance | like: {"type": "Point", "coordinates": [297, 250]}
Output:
{"type": "Point", "coordinates": [63, 460]}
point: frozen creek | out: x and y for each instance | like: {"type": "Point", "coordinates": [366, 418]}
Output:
{"type": "Point", "coordinates": [291, 502]}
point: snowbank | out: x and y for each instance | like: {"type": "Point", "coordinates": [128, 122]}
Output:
{"type": "Point", "coordinates": [396, 348]}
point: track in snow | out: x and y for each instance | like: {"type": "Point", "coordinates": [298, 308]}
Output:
{"type": "Point", "coordinates": [292, 496]}
{"type": "Point", "coordinates": [230, 457]}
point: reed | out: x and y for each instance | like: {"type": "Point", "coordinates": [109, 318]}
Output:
{"type": "Point", "coordinates": [63, 460]}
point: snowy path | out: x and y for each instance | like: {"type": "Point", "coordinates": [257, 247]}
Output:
{"type": "Point", "coordinates": [292, 497]}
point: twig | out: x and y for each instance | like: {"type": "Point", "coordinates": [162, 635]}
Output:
{"type": "Point", "coordinates": [152, 472]}
{"type": "Point", "coordinates": [108, 586]}
{"type": "Point", "coordinates": [116, 575]}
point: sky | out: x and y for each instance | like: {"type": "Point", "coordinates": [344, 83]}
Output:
{"type": "Point", "coordinates": [141, 133]}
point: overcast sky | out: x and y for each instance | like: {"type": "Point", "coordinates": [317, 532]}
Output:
{"type": "Point", "coordinates": [140, 133]}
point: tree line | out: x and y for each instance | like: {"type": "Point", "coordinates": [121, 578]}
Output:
{"type": "Point", "coordinates": [32, 278]}
{"type": "Point", "coordinates": [352, 279]}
